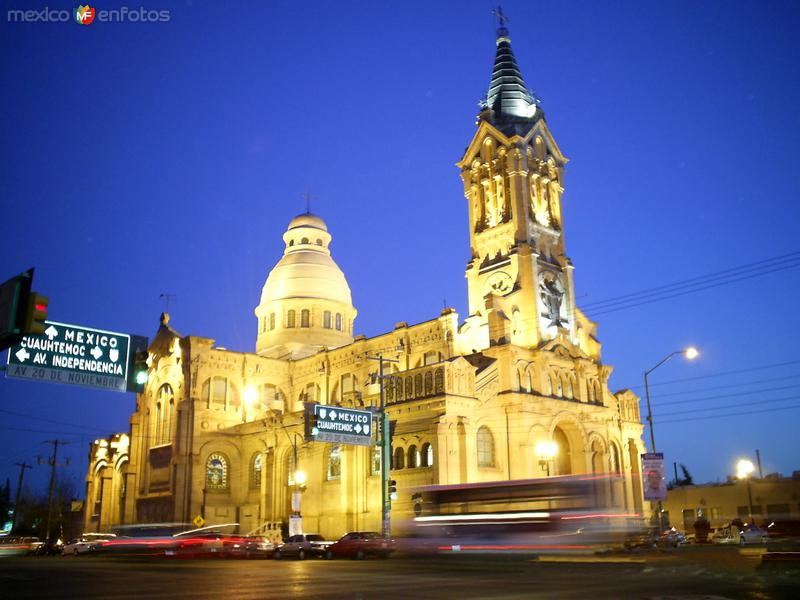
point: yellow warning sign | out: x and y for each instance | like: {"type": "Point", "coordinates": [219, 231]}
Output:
{"type": "Point", "coordinates": [199, 521]}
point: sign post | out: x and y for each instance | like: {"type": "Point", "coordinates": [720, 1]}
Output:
{"type": "Point", "coordinates": [76, 355]}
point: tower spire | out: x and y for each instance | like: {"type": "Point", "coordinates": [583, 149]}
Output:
{"type": "Point", "coordinates": [509, 104]}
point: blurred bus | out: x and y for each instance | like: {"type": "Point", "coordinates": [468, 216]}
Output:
{"type": "Point", "coordinates": [552, 514]}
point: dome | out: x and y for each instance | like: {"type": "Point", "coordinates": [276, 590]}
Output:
{"type": "Point", "coordinates": [305, 303]}
{"type": "Point", "coordinates": [308, 220]}
{"type": "Point", "coordinates": [306, 269]}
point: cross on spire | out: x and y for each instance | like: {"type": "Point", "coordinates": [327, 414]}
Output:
{"type": "Point", "coordinates": [502, 19]}
{"type": "Point", "coordinates": [308, 197]}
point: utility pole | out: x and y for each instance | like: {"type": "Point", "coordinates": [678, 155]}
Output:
{"type": "Point", "coordinates": [386, 449]}
{"type": "Point", "coordinates": [53, 465]}
{"type": "Point", "coordinates": [22, 466]}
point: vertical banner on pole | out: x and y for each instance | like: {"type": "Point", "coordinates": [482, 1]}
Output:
{"type": "Point", "coordinates": [655, 485]}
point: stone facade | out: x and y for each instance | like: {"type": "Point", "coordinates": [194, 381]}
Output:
{"type": "Point", "coordinates": [219, 433]}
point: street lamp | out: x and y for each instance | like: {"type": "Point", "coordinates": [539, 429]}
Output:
{"type": "Point", "coordinates": [250, 400]}
{"type": "Point", "coordinates": [744, 468]}
{"type": "Point", "coordinates": [546, 451]}
{"type": "Point", "coordinates": [690, 353]}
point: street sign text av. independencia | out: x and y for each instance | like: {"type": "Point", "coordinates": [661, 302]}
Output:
{"type": "Point", "coordinates": [74, 355]}
{"type": "Point", "coordinates": [342, 425]}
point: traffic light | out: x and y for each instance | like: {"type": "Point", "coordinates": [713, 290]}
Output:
{"type": "Point", "coordinates": [35, 314]}
{"type": "Point", "coordinates": [310, 423]}
{"type": "Point", "coordinates": [392, 489]}
{"type": "Point", "coordinates": [140, 370]}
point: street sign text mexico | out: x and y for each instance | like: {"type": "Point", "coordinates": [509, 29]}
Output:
{"type": "Point", "coordinates": [341, 425]}
{"type": "Point", "coordinates": [75, 355]}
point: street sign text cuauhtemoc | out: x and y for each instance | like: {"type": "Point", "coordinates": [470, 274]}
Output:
{"type": "Point", "coordinates": [342, 425]}
{"type": "Point", "coordinates": [74, 355]}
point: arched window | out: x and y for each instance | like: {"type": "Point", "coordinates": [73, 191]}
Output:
{"type": "Point", "coordinates": [613, 459]}
{"type": "Point", "coordinates": [413, 457]}
{"type": "Point", "coordinates": [271, 321]}
{"type": "Point", "coordinates": [427, 455]}
{"type": "Point", "coordinates": [319, 242]}
{"type": "Point", "coordinates": [217, 472]}
{"type": "Point", "coordinates": [335, 463]}
{"type": "Point", "coordinates": [485, 447]}
{"type": "Point", "coordinates": [338, 321]}
{"type": "Point", "coordinates": [399, 459]}
{"type": "Point", "coordinates": [305, 318]}
{"type": "Point", "coordinates": [157, 418]}
{"type": "Point", "coordinates": [563, 459]}
{"type": "Point", "coordinates": [326, 319]}
{"type": "Point", "coordinates": [291, 242]}
{"type": "Point", "coordinates": [598, 393]}
{"type": "Point", "coordinates": [166, 401]}
{"type": "Point", "coordinates": [290, 319]}
{"type": "Point", "coordinates": [256, 466]}
{"type": "Point", "coordinates": [375, 463]}
{"type": "Point", "coordinates": [304, 241]}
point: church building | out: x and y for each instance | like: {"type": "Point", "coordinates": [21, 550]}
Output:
{"type": "Point", "coordinates": [220, 434]}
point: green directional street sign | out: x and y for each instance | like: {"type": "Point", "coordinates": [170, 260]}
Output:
{"type": "Point", "coordinates": [341, 425]}
{"type": "Point", "coordinates": [75, 355]}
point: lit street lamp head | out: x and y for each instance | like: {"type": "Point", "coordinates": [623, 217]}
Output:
{"type": "Point", "coordinates": [546, 450]}
{"type": "Point", "coordinates": [744, 468]}
{"type": "Point", "coordinates": [300, 477]}
{"type": "Point", "coordinates": [691, 353]}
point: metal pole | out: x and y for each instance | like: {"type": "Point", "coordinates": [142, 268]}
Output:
{"type": "Point", "coordinates": [386, 450]}
{"type": "Point", "coordinates": [22, 466]}
{"type": "Point", "coordinates": [50, 493]}
{"type": "Point", "coordinates": [749, 501]}
{"type": "Point", "coordinates": [649, 412]}
{"type": "Point", "coordinates": [758, 460]}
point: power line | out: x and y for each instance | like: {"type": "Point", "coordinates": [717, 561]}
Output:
{"type": "Point", "coordinates": [701, 279]}
{"type": "Point", "coordinates": [45, 420]}
{"type": "Point", "coordinates": [733, 395]}
{"type": "Point", "coordinates": [729, 406]}
{"type": "Point", "coordinates": [736, 414]}
{"type": "Point", "coordinates": [597, 313]}
{"type": "Point", "coordinates": [718, 374]}
{"type": "Point", "coordinates": [725, 386]}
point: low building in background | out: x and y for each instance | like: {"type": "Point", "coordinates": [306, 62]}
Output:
{"type": "Point", "coordinates": [774, 499]}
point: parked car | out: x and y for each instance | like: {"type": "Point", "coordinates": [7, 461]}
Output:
{"type": "Point", "coordinates": [302, 546]}
{"type": "Point", "coordinates": [736, 534]}
{"type": "Point", "coordinates": [671, 538]}
{"type": "Point", "coordinates": [252, 546]}
{"type": "Point", "coordinates": [88, 542]}
{"type": "Point", "coordinates": [360, 544]}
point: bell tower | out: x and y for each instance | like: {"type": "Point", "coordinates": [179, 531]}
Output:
{"type": "Point", "coordinates": [513, 182]}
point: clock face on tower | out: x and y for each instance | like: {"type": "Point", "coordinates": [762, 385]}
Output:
{"type": "Point", "coordinates": [498, 283]}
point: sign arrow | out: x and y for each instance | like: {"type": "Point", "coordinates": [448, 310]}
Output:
{"type": "Point", "coordinates": [96, 352]}
{"type": "Point", "coordinates": [51, 332]}
{"type": "Point", "coordinates": [333, 415]}
{"type": "Point", "coordinates": [358, 428]}
{"type": "Point", "coordinates": [23, 355]}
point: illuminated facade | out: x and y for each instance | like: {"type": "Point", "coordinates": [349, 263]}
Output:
{"type": "Point", "coordinates": [220, 433]}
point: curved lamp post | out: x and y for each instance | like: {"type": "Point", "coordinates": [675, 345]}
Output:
{"type": "Point", "coordinates": [690, 353]}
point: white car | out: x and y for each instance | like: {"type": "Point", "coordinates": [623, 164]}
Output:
{"type": "Point", "coordinates": [735, 534]}
{"type": "Point", "coordinates": [86, 543]}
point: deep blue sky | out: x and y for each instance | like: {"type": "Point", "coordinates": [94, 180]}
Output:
{"type": "Point", "coordinates": [146, 158]}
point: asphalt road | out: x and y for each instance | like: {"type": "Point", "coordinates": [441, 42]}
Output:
{"type": "Point", "coordinates": [713, 573]}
